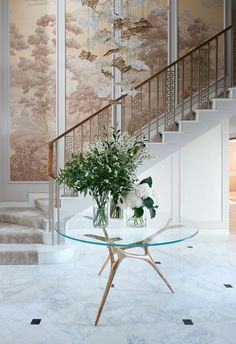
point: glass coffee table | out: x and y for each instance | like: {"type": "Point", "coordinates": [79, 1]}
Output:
{"type": "Point", "coordinates": [119, 240]}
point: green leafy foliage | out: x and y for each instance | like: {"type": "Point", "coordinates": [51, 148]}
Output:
{"type": "Point", "coordinates": [152, 212]}
{"type": "Point", "coordinates": [148, 202]}
{"type": "Point", "coordinates": [147, 181]}
{"type": "Point", "coordinates": [109, 167]}
{"type": "Point", "coordinates": [138, 212]}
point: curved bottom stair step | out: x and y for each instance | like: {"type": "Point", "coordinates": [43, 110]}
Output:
{"type": "Point", "coordinates": [16, 254]}
{"type": "Point", "coordinates": [34, 254]}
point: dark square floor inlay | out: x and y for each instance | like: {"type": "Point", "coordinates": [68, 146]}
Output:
{"type": "Point", "coordinates": [157, 262]}
{"type": "Point", "coordinates": [228, 286]}
{"type": "Point", "coordinates": [187, 322]}
{"type": "Point", "coordinates": [35, 321]}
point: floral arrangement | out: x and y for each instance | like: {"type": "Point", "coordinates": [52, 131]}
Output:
{"type": "Point", "coordinates": [140, 197]}
{"type": "Point", "coordinates": [108, 168]}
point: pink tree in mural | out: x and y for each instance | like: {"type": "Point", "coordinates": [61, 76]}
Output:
{"type": "Point", "coordinates": [39, 75]}
{"type": "Point", "coordinates": [154, 48]}
{"type": "Point", "coordinates": [198, 29]}
{"type": "Point", "coordinates": [82, 76]}
{"type": "Point", "coordinates": [195, 34]}
{"type": "Point", "coordinates": [33, 82]}
{"type": "Point", "coordinates": [17, 41]}
{"type": "Point", "coordinates": [82, 104]}
{"type": "Point", "coordinates": [33, 78]}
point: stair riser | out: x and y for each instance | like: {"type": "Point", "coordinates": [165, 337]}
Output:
{"type": "Point", "coordinates": [24, 221]}
{"type": "Point", "coordinates": [19, 258]}
{"type": "Point", "coordinates": [42, 204]}
{"type": "Point", "coordinates": [224, 104]}
{"type": "Point", "coordinates": [21, 239]}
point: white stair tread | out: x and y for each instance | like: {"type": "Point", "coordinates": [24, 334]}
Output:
{"type": "Point", "coordinates": [187, 121]}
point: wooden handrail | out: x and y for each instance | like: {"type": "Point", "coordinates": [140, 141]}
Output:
{"type": "Point", "coordinates": [50, 159]}
{"type": "Point", "coordinates": [144, 82]}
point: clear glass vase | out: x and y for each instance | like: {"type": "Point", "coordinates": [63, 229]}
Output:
{"type": "Point", "coordinates": [100, 211]}
{"type": "Point", "coordinates": [133, 221]}
{"type": "Point", "coordinates": [116, 212]}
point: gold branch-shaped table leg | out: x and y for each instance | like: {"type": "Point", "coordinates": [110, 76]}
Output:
{"type": "Point", "coordinates": [115, 262]}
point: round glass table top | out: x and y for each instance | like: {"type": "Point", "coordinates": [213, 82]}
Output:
{"type": "Point", "coordinates": [162, 231]}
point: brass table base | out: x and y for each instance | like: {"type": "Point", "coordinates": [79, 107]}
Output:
{"type": "Point", "coordinates": [115, 262]}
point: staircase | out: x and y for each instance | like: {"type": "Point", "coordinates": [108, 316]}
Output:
{"type": "Point", "coordinates": [21, 234]}
{"type": "Point", "coordinates": [173, 107]}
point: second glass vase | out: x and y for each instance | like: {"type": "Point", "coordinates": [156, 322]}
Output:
{"type": "Point", "coordinates": [115, 211]}
{"type": "Point", "coordinates": [133, 221]}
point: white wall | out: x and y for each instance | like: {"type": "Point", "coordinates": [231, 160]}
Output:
{"type": "Point", "coordinates": [193, 183]}
{"type": "Point", "coordinates": [232, 166]}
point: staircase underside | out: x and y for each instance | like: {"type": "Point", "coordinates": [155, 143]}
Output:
{"type": "Point", "coordinates": [189, 130]}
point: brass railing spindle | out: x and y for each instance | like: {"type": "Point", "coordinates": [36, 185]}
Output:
{"type": "Point", "coordinates": [149, 110]}
{"type": "Point", "coordinates": [158, 105]}
{"type": "Point", "coordinates": [191, 87]}
{"type": "Point", "coordinates": [182, 103]}
{"type": "Point", "coordinates": [216, 67]}
{"type": "Point", "coordinates": [225, 62]}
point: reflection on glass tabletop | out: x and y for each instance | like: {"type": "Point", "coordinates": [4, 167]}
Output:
{"type": "Point", "coordinates": [160, 231]}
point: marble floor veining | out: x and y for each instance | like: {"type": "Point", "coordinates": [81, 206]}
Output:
{"type": "Point", "coordinates": [140, 309]}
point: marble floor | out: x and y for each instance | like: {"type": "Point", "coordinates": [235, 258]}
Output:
{"type": "Point", "coordinates": [140, 309]}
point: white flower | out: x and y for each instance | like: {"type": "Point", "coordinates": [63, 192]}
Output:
{"type": "Point", "coordinates": [143, 191]}
{"type": "Point", "coordinates": [131, 200]}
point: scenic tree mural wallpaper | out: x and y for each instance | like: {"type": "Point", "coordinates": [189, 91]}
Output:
{"type": "Point", "coordinates": [198, 21]}
{"type": "Point", "coordinates": [138, 50]}
{"type": "Point", "coordinates": [88, 86]}
{"type": "Point", "coordinates": [32, 87]}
